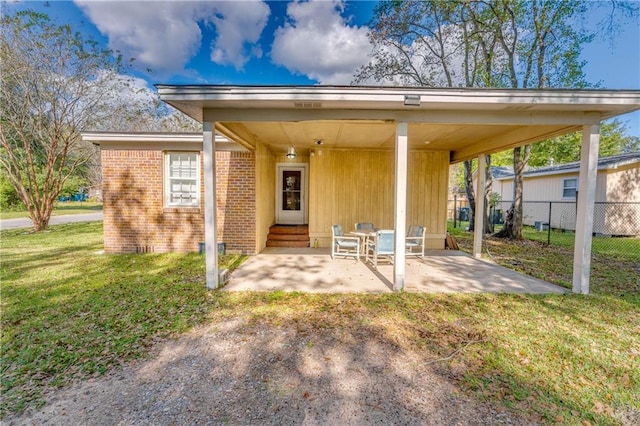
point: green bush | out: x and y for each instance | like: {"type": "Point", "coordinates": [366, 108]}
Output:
{"type": "Point", "coordinates": [9, 199]}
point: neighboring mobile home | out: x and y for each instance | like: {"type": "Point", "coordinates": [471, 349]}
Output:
{"type": "Point", "coordinates": [617, 194]}
{"type": "Point", "coordinates": [320, 156]}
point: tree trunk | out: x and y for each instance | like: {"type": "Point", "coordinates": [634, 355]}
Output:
{"type": "Point", "coordinates": [513, 222]}
{"type": "Point", "coordinates": [488, 223]}
{"type": "Point", "coordinates": [468, 187]}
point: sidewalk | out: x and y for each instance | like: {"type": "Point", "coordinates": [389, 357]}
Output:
{"type": "Point", "coordinates": [55, 220]}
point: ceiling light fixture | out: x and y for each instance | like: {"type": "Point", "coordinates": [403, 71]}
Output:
{"type": "Point", "coordinates": [291, 153]}
{"type": "Point", "coordinates": [411, 100]}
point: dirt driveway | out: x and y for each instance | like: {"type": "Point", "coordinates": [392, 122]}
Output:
{"type": "Point", "coordinates": [237, 373]}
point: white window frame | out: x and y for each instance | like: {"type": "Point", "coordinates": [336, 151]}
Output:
{"type": "Point", "coordinates": [564, 188]}
{"type": "Point", "coordinates": [168, 179]}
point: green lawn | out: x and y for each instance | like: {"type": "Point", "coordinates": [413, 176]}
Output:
{"type": "Point", "coordinates": [69, 312]}
{"type": "Point", "coordinates": [615, 268]}
{"type": "Point", "coordinates": [60, 208]}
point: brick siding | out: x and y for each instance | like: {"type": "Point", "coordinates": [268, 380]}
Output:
{"type": "Point", "coordinates": [135, 219]}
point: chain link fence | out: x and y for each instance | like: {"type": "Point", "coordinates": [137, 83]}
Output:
{"type": "Point", "coordinates": [616, 225]}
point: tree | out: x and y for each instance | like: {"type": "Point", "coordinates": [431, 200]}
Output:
{"type": "Point", "coordinates": [56, 83]}
{"type": "Point", "coordinates": [500, 43]}
{"type": "Point", "coordinates": [430, 43]}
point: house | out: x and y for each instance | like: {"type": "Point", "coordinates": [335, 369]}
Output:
{"type": "Point", "coordinates": [324, 155]}
{"type": "Point", "coordinates": [153, 192]}
{"type": "Point", "coordinates": [617, 194]}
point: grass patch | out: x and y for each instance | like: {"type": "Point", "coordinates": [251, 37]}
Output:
{"type": "Point", "coordinates": [615, 262]}
{"type": "Point", "coordinates": [60, 208]}
{"type": "Point", "coordinates": [557, 359]}
{"type": "Point", "coordinates": [69, 313]}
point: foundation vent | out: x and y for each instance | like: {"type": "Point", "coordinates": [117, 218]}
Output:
{"type": "Point", "coordinates": [144, 249]}
{"type": "Point", "coordinates": [308, 105]}
{"type": "Point", "coordinates": [223, 277]}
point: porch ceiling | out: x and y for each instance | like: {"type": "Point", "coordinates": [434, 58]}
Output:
{"type": "Point", "coordinates": [366, 134]}
{"type": "Point", "coordinates": [465, 122]}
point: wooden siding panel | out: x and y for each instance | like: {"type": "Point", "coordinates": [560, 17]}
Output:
{"type": "Point", "coordinates": [620, 185]}
{"type": "Point", "coordinates": [623, 184]}
{"type": "Point", "coordinates": [357, 186]}
{"type": "Point", "coordinates": [428, 186]}
{"type": "Point", "coordinates": [265, 194]}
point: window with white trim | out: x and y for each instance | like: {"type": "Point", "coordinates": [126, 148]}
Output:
{"type": "Point", "coordinates": [182, 179]}
{"type": "Point", "coordinates": [569, 188]}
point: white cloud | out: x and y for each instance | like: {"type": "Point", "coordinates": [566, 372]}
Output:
{"type": "Point", "coordinates": [164, 36]}
{"type": "Point", "coordinates": [319, 43]}
{"type": "Point", "coordinates": [238, 23]}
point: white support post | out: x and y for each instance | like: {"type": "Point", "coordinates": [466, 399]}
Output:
{"type": "Point", "coordinates": [478, 233]}
{"type": "Point", "coordinates": [400, 210]}
{"type": "Point", "coordinates": [585, 203]}
{"type": "Point", "coordinates": [210, 219]}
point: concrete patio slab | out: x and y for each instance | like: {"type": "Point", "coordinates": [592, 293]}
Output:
{"type": "Point", "coordinates": [440, 271]}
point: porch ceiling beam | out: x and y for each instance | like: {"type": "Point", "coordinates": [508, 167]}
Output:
{"type": "Point", "coordinates": [502, 116]}
{"type": "Point", "coordinates": [519, 137]}
{"type": "Point", "coordinates": [234, 136]}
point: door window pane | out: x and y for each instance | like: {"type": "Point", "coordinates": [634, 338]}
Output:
{"type": "Point", "coordinates": [291, 184]}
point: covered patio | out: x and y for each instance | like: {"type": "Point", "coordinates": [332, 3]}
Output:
{"type": "Point", "coordinates": [381, 154]}
{"type": "Point", "coordinates": [440, 271]}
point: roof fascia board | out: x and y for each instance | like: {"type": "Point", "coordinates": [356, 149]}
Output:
{"type": "Point", "coordinates": [150, 146]}
{"type": "Point", "coordinates": [363, 94]}
{"type": "Point", "coordinates": [99, 137]}
{"type": "Point", "coordinates": [167, 146]}
{"type": "Point", "coordinates": [161, 141]}
{"type": "Point", "coordinates": [527, 118]}
{"type": "Point", "coordinates": [532, 173]}
{"type": "Point", "coordinates": [572, 169]}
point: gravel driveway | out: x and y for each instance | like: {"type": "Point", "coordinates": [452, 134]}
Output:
{"type": "Point", "coordinates": [239, 374]}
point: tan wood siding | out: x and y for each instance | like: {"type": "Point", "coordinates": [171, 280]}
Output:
{"type": "Point", "coordinates": [427, 192]}
{"type": "Point", "coordinates": [357, 186]}
{"type": "Point", "coordinates": [265, 194]}
{"type": "Point", "coordinates": [623, 184]}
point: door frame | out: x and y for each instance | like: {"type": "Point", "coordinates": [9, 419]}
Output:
{"type": "Point", "coordinates": [304, 189]}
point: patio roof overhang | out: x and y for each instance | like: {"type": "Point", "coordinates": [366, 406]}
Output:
{"type": "Point", "coordinates": [156, 140]}
{"type": "Point", "coordinates": [465, 122]}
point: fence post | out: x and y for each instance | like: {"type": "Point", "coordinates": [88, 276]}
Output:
{"type": "Point", "coordinates": [549, 225]}
{"type": "Point", "coordinates": [455, 201]}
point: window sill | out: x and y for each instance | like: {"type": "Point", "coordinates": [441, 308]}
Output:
{"type": "Point", "coordinates": [181, 209]}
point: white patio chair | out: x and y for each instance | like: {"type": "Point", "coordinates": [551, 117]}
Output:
{"type": "Point", "coordinates": [415, 241]}
{"type": "Point", "coordinates": [381, 245]}
{"type": "Point", "coordinates": [362, 226]}
{"type": "Point", "coordinates": [343, 245]}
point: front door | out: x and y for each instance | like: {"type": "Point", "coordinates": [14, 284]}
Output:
{"type": "Point", "coordinates": [291, 194]}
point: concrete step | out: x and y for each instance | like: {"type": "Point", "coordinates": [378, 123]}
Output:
{"type": "Point", "coordinates": [288, 237]}
{"type": "Point", "coordinates": [277, 243]}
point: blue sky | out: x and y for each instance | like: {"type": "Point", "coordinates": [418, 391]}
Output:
{"type": "Point", "coordinates": [263, 43]}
